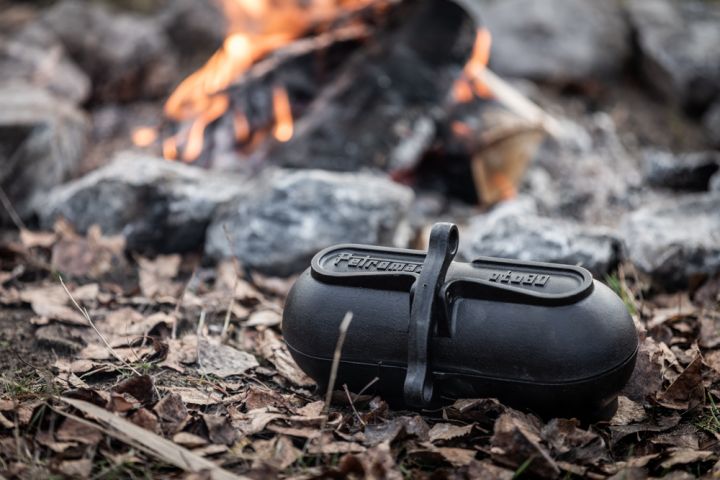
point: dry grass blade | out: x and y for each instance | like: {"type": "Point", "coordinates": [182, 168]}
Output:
{"type": "Point", "coordinates": [352, 404]}
{"type": "Point", "coordinates": [236, 266]}
{"type": "Point", "coordinates": [85, 314]}
{"type": "Point", "coordinates": [344, 325]}
{"type": "Point", "coordinates": [151, 443]}
{"type": "Point", "coordinates": [12, 213]}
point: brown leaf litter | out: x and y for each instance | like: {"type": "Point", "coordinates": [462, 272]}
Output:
{"type": "Point", "coordinates": [195, 381]}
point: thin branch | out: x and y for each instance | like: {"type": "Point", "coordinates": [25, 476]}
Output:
{"type": "Point", "coordinates": [5, 200]}
{"type": "Point", "coordinates": [236, 266]}
{"type": "Point", "coordinates": [144, 440]}
{"type": "Point", "coordinates": [336, 359]}
{"type": "Point", "coordinates": [179, 302]}
{"type": "Point", "coordinates": [85, 314]}
{"type": "Point", "coordinates": [352, 405]}
{"type": "Point", "coordinates": [370, 384]}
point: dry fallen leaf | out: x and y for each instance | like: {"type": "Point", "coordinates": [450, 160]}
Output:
{"type": "Point", "coordinates": [189, 440]}
{"type": "Point", "coordinates": [195, 396]}
{"type": "Point", "coordinates": [517, 438]}
{"type": "Point", "coordinates": [375, 463]}
{"type": "Point", "coordinates": [447, 431]}
{"type": "Point", "coordinates": [172, 413]}
{"type": "Point", "coordinates": [253, 421]}
{"type": "Point", "coordinates": [125, 325]}
{"type": "Point", "coordinates": [327, 446]}
{"type": "Point", "coordinates": [684, 456]}
{"type": "Point", "coordinates": [181, 352]}
{"type": "Point", "coordinates": [222, 360]}
{"type": "Point", "coordinates": [264, 318]}
{"type": "Point", "coordinates": [310, 432]}
{"type": "Point", "coordinates": [275, 351]}
{"type": "Point", "coordinates": [32, 239]}
{"type": "Point", "coordinates": [157, 275]}
{"type": "Point", "coordinates": [573, 445]}
{"type": "Point", "coordinates": [260, 397]}
{"type": "Point", "coordinates": [64, 365]}
{"type": "Point", "coordinates": [76, 468]}
{"type": "Point", "coordinates": [92, 256]}
{"type": "Point", "coordinates": [278, 452]}
{"type": "Point", "coordinates": [457, 457]}
{"type": "Point", "coordinates": [219, 428]}
{"type": "Point", "coordinates": [687, 390]}
{"type": "Point", "coordinates": [485, 469]}
{"type": "Point", "coordinates": [659, 424]}
{"type": "Point", "coordinates": [51, 302]}
{"type": "Point", "coordinates": [628, 412]}
{"type": "Point", "coordinates": [146, 419]}
{"type": "Point", "coordinates": [6, 423]}
{"type": "Point", "coordinates": [142, 388]}
{"type": "Point", "coordinates": [396, 429]}
{"type": "Point", "coordinates": [73, 430]}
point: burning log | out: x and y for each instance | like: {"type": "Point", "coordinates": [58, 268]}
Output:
{"type": "Point", "coordinates": [498, 144]}
{"type": "Point", "coordinates": [251, 108]}
{"type": "Point", "coordinates": [387, 94]}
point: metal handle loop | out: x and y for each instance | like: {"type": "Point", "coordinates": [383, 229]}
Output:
{"type": "Point", "coordinates": [443, 246]}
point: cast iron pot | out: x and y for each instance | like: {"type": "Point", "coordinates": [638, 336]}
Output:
{"type": "Point", "coordinates": [426, 330]}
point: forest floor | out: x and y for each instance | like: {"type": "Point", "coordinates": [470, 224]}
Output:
{"type": "Point", "coordinates": [164, 367]}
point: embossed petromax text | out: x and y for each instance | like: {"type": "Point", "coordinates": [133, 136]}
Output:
{"type": "Point", "coordinates": [520, 278]}
{"type": "Point", "coordinates": [366, 262]}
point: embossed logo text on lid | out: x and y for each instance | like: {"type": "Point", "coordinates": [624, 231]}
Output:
{"type": "Point", "coordinates": [520, 278]}
{"type": "Point", "coordinates": [372, 263]}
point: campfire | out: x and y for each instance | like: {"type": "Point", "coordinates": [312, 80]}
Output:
{"type": "Point", "coordinates": [309, 238]}
{"type": "Point", "coordinates": [348, 85]}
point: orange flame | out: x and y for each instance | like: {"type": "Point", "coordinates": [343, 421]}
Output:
{"type": "Point", "coordinates": [256, 28]}
{"type": "Point", "coordinates": [470, 83]}
{"type": "Point", "coordinates": [144, 136]}
{"type": "Point", "coordinates": [283, 130]}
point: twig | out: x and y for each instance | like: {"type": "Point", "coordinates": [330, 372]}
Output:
{"type": "Point", "coordinates": [331, 382]}
{"type": "Point", "coordinates": [336, 360]}
{"type": "Point", "coordinates": [370, 384]}
{"type": "Point", "coordinates": [236, 266]}
{"type": "Point", "coordinates": [352, 405]}
{"type": "Point", "coordinates": [517, 102]}
{"type": "Point", "coordinates": [201, 323]}
{"type": "Point", "coordinates": [179, 302]}
{"type": "Point", "coordinates": [85, 314]}
{"type": "Point", "coordinates": [145, 440]}
{"type": "Point", "coordinates": [5, 200]}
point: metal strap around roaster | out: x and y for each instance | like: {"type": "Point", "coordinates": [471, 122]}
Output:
{"type": "Point", "coordinates": [442, 247]}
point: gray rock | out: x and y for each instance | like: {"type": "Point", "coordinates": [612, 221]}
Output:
{"type": "Point", "coordinates": [711, 124]}
{"type": "Point", "coordinates": [42, 140]}
{"type": "Point", "coordinates": [515, 230]}
{"type": "Point", "coordinates": [678, 41]}
{"type": "Point", "coordinates": [584, 173]}
{"type": "Point", "coordinates": [289, 215]}
{"type": "Point", "coordinates": [677, 240]}
{"type": "Point", "coordinates": [43, 63]}
{"type": "Point", "coordinates": [689, 172]}
{"type": "Point", "coordinates": [126, 55]}
{"type": "Point", "coordinates": [715, 183]}
{"type": "Point", "coordinates": [564, 41]}
{"type": "Point", "coordinates": [156, 204]}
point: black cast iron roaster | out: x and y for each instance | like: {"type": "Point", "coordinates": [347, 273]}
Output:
{"type": "Point", "coordinates": [538, 336]}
